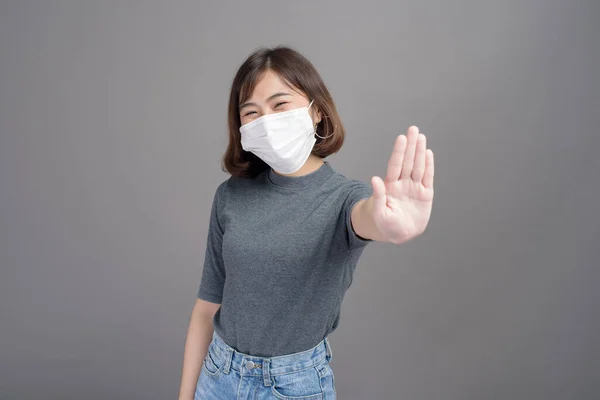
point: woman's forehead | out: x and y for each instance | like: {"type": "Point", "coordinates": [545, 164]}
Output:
{"type": "Point", "coordinates": [266, 85]}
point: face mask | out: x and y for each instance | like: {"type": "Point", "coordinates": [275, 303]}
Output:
{"type": "Point", "coordinates": [282, 140]}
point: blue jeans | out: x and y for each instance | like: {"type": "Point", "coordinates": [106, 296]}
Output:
{"type": "Point", "coordinates": [227, 374]}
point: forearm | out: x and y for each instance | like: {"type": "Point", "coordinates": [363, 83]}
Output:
{"type": "Point", "coordinates": [199, 336]}
{"type": "Point", "coordinates": [362, 221]}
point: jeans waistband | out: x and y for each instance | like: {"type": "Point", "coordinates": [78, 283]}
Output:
{"type": "Point", "coordinates": [247, 364]}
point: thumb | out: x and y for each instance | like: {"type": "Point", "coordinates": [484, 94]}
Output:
{"type": "Point", "coordinates": [379, 196]}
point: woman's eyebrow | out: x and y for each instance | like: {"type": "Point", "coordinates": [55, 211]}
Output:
{"type": "Point", "coordinates": [279, 94]}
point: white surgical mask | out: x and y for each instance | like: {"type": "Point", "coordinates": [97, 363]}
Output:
{"type": "Point", "coordinates": [282, 140]}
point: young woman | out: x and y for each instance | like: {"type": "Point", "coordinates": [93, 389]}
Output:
{"type": "Point", "coordinates": [286, 232]}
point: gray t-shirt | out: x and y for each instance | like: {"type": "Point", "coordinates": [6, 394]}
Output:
{"type": "Point", "coordinates": [280, 255]}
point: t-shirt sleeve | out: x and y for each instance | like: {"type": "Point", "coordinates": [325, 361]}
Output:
{"type": "Point", "coordinates": [213, 273]}
{"type": "Point", "coordinates": [356, 191]}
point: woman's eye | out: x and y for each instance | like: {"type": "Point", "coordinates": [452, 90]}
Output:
{"type": "Point", "coordinates": [276, 105]}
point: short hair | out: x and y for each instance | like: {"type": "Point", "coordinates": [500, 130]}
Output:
{"type": "Point", "coordinates": [299, 73]}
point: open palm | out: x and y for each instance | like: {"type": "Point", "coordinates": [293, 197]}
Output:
{"type": "Point", "coordinates": [402, 202]}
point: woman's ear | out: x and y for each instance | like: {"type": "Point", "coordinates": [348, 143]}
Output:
{"type": "Point", "coordinates": [319, 116]}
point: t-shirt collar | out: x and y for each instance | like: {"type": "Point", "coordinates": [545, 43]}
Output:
{"type": "Point", "coordinates": [301, 182]}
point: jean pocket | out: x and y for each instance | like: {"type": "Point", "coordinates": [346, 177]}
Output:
{"type": "Point", "coordinates": [213, 363]}
{"type": "Point", "coordinates": [298, 385]}
{"type": "Point", "coordinates": [324, 369]}
{"type": "Point", "coordinates": [327, 379]}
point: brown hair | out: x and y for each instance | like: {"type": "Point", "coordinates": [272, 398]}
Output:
{"type": "Point", "coordinates": [298, 72]}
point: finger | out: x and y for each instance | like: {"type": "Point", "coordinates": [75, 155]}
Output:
{"type": "Point", "coordinates": [379, 195]}
{"type": "Point", "coordinates": [409, 155]}
{"type": "Point", "coordinates": [429, 170]}
{"type": "Point", "coordinates": [394, 166]}
{"type": "Point", "coordinates": [419, 167]}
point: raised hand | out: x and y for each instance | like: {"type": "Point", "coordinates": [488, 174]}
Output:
{"type": "Point", "coordinates": [402, 202]}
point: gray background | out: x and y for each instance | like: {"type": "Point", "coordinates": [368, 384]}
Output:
{"type": "Point", "coordinates": [112, 121]}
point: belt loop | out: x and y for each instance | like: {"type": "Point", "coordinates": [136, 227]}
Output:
{"type": "Point", "coordinates": [328, 348]}
{"type": "Point", "coordinates": [228, 360]}
{"type": "Point", "coordinates": [266, 374]}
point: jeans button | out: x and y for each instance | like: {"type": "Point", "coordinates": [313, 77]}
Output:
{"type": "Point", "coordinates": [249, 364]}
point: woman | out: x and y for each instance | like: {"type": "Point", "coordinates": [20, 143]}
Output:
{"type": "Point", "coordinates": [286, 232]}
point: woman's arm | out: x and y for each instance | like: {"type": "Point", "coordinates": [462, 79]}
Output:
{"type": "Point", "coordinates": [199, 336]}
